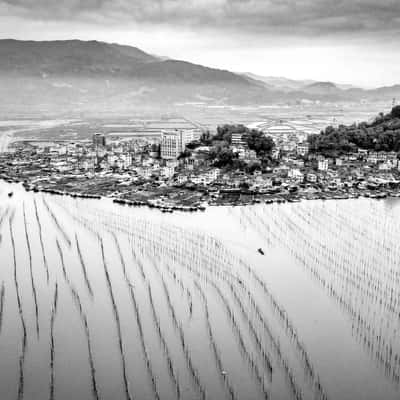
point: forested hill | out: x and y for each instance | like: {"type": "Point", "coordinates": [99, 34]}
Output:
{"type": "Point", "coordinates": [383, 134]}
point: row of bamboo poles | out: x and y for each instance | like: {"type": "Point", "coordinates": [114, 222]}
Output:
{"type": "Point", "coordinates": [21, 380]}
{"type": "Point", "coordinates": [343, 259]}
{"type": "Point", "coordinates": [217, 267]}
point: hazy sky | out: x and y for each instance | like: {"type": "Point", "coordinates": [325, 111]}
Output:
{"type": "Point", "coordinates": [348, 41]}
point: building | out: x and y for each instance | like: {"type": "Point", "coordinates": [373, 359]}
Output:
{"type": "Point", "coordinates": [296, 175]}
{"type": "Point", "coordinates": [339, 162]}
{"type": "Point", "coordinates": [173, 143]}
{"type": "Point", "coordinates": [206, 177]}
{"type": "Point", "coordinates": [237, 139]}
{"type": "Point", "coordinates": [302, 149]}
{"type": "Point", "coordinates": [154, 150]}
{"type": "Point", "coordinates": [246, 154]}
{"type": "Point", "coordinates": [167, 172]}
{"type": "Point", "coordinates": [99, 140]}
{"type": "Point", "coordinates": [312, 178]}
{"type": "Point", "coordinates": [323, 165]}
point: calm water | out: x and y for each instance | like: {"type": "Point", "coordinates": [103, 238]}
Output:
{"type": "Point", "coordinates": [99, 301]}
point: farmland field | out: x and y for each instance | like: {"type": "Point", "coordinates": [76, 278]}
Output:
{"type": "Point", "coordinates": [99, 301]}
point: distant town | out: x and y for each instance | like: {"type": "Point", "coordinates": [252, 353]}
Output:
{"type": "Point", "coordinates": [188, 169]}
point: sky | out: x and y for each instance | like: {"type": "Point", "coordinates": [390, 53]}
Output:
{"type": "Point", "coordinates": [344, 41]}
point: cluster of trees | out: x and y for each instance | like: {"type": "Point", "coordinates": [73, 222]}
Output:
{"type": "Point", "coordinates": [253, 138]}
{"type": "Point", "coordinates": [395, 112]}
{"type": "Point", "coordinates": [221, 152]}
{"type": "Point", "coordinates": [383, 134]}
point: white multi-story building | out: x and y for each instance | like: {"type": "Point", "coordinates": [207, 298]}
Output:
{"type": "Point", "coordinates": [323, 165]}
{"type": "Point", "coordinates": [126, 160]}
{"type": "Point", "coordinates": [173, 143]}
{"type": "Point", "coordinates": [237, 139]}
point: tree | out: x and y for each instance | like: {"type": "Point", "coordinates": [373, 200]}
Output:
{"type": "Point", "coordinates": [224, 157]}
{"type": "Point", "coordinates": [381, 135]}
{"type": "Point", "coordinates": [257, 141]}
{"type": "Point", "coordinates": [395, 112]}
{"type": "Point", "coordinates": [185, 154]}
{"type": "Point", "coordinates": [255, 166]}
{"type": "Point", "coordinates": [206, 138]}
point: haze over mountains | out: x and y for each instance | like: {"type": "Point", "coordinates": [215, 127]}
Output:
{"type": "Point", "coordinates": [289, 85]}
{"type": "Point", "coordinates": [75, 75]}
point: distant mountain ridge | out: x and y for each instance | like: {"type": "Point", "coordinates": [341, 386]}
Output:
{"type": "Point", "coordinates": [76, 75]}
{"type": "Point", "coordinates": [93, 58]}
{"type": "Point", "coordinates": [290, 85]}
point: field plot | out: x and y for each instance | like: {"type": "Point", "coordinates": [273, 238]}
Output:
{"type": "Point", "coordinates": [83, 129]}
{"type": "Point", "coordinates": [105, 302]}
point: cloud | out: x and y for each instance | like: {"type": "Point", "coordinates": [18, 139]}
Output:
{"type": "Point", "coordinates": [284, 17]}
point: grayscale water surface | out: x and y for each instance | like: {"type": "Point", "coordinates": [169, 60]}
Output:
{"type": "Point", "coordinates": [100, 301]}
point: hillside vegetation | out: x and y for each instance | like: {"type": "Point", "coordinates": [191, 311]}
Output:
{"type": "Point", "coordinates": [383, 134]}
{"type": "Point", "coordinates": [223, 154]}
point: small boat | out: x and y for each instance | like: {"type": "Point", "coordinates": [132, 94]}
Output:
{"type": "Point", "coordinates": [10, 194]}
{"type": "Point", "coordinates": [261, 251]}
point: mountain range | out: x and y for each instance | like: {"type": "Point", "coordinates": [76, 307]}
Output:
{"type": "Point", "coordinates": [77, 75]}
{"type": "Point", "coordinates": [290, 85]}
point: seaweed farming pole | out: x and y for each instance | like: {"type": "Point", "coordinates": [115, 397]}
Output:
{"type": "Point", "coordinates": [83, 317]}
{"type": "Point", "coordinates": [95, 390]}
{"type": "Point", "coordinates": [4, 216]}
{"type": "Point", "coordinates": [213, 344]}
{"type": "Point", "coordinates": [52, 344]}
{"type": "Point", "coordinates": [275, 342]}
{"type": "Point", "coordinates": [294, 336]}
{"type": "Point", "coordinates": [193, 371]}
{"type": "Point", "coordinates": [262, 351]}
{"type": "Point", "coordinates": [253, 368]}
{"type": "Point", "coordinates": [82, 314]}
{"type": "Point", "coordinates": [143, 345]}
{"type": "Point", "coordinates": [46, 266]}
{"type": "Point", "coordinates": [241, 343]}
{"type": "Point", "coordinates": [34, 292]}
{"type": "Point", "coordinates": [138, 322]}
{"type": "Point", "coordinates": [2, 297]}
{"type": "Point", "coordinates": [185, 290]}
{"type": "Point", "coordinates": [83, 265]}
{"type": "Point", "coordinates": [171, 368]}
{"type": "Point", "coordinates": [21, 315]}
{"type": "Point", "coordinates": [117, 323]}
{"type": "Point", "coordinates": [61, 254]}
{"type": "Point", "coordinates": [57, 223]}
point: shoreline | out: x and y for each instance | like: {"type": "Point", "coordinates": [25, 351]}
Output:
{"type": "Point", "coordinates": [251, 199]}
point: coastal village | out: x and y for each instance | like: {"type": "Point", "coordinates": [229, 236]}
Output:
{"type": "Point", "coordinates": [190, 169]}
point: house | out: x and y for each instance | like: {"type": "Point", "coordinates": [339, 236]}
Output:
{"type": "Point", "coordinates": [246, 154]}
{"type": "Point", "coordinates": [312, 178]}
{"type": "Point", "coordinates": [167, 172]}
{"type": "Point", "coordinates": [385, 166]}
{"type": "Point", "coordinates": [323, 165]}
{"type": "Point", "coordinates": [339, 162]}
{"type": "Point", "coordinates": [296, 175]}
{"type": "Point", "coordinates": [182, 179]}
{"type": "Point", "coordinates": [302, 149]}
